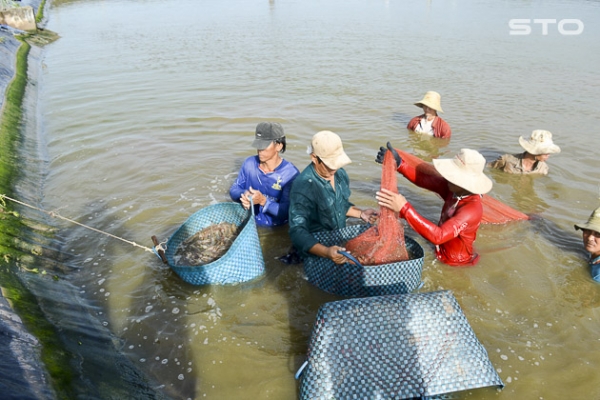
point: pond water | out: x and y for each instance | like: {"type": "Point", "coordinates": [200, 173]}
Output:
{"type": "Point", "coordinates": [147, 110]}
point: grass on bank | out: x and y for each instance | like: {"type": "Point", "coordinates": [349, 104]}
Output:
{"type": "Point", "coordinates": [39, 15]}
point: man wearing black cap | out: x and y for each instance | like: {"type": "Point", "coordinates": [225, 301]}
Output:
{"type": "Point", "coordinates": [266, 177]}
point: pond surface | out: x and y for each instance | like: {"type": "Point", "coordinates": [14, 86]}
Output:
{"type": "Point", "coordinates": [148, 108]}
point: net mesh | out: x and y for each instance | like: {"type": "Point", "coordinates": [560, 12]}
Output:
{"type": "Point", "coordinates": [494, 211]}
{"type": "Point", "coordinates": [382, 243]}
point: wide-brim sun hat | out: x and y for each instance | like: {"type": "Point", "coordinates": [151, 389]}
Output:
{"type": "Point", "coordinates": [432, 100]}
{"type": "Point", "coordinates": [540, 142]}
{"type": "Point", "coordinates": [328, 147]}
{"type": "Point", "coordinates": [465, 170]}
{"type": "Point", "coordinates": [266, 133]}
{"type": "Point", "coordinates": [593, 222]}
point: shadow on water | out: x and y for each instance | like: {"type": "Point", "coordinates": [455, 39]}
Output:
{"type": "Point", "coordinates": [104, 369]}
{"type": "Point", "coordinates": [302, 298]}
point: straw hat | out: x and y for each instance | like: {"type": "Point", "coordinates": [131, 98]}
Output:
{"type": "Point", "coordinates": [540, 142]}
{"type": "Point", "coordinates": [593, 223]}
{"type": "Point", "coordinates": [465, 170]}
{"type": "Point", "coordinates": [431, 100]}
{"type": "Point", "coordinates": [328, 147]}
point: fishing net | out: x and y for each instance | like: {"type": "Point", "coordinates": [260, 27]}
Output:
{"type": "Point", "coordinates": [494, 211]}
{"type": "Point", "coordinates": [350, 279]}
{"type": "Point", "coordinates": [382, 243]}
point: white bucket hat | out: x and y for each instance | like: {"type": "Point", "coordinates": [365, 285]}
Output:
{"type": "Point", "coordinates": [328, 147]}
{"type": "Point", "coordinates": [465, 170]}
{"type": "Point", "coordinates": [540, 142]}
{"type": "Point", "coordinates": [593, 222]}
{"type": "Point", "coordinates": [431, 100]}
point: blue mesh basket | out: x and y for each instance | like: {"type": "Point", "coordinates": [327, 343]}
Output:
{"type": "Point", "coordinates": [361, 281]}
{"type": "Point", "coordinates": [242, 262]}
{"type": "Point", "coordinates": [394, 347]}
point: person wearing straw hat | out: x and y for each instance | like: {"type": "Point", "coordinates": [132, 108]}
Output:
{"type": "Point", "coordinates": [591, 241]}
{"type": "Point", "coordinates": [320, 198]}
{"type": "Point", "coordinates": [429, 122]}
{"type": "Point", "coordinates": [266, 177]}
{"type": "Point", "coordinates": [461, 183]}
{"type": "Point", "coordinates": [533, 160]}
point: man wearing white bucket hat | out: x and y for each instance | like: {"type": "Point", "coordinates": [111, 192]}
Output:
{"type": "Point", "coordinates": [461, 183]}
{"type": "Point", "coordinates": [429, 122]}
{"type": "Point", "coordinates": [533, 161]}
{"type": "Point", "coordinates": [320, 198]}
{"type": "Point", "coordinates": [591, 241]}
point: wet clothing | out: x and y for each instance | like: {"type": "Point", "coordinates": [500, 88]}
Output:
{"type": "Point", "coordinates": [440, 128]}
{"type": "Point", "coordinates": [595, 268]}
{"type": "Point", "coordinates": [457, 229]}
{"type": "Point", "coordinates": [513, 164]}
{"type": "Point", "coordinates": [316, 207]}
{"type": "Point", "coordinates": [275, 186]}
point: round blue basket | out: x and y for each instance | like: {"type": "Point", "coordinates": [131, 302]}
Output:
{"type": "Point", "coordinates": [242, 262]}
{"type": "Point", "coordinates": [363, 281]}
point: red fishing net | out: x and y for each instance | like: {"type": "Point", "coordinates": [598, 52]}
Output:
{"type": "Point", "coordinates": [382, 243]}
{"type": "Point", "coordinates": [494, 211]}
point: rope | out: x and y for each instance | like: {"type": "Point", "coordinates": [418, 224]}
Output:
{"type": "Point", "coordinates": [56, 215]}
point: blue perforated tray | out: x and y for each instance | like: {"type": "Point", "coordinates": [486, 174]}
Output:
{"type": "Point", "coordinates": [394, 347]}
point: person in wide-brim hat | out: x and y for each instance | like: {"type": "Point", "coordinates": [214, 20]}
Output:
{"type": "Point", "coordinates": [461, 183]}
{"type": "Point", "coordinates": [429, 122]}
{"type": "Point", "coordinates": [538, 149]}
{"type": "Point", "coordinates": [591, 241]}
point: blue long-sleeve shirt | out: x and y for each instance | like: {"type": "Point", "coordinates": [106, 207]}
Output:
{"type": "Point", "coordinates": [595, 268]}
{"type": "Point", "coordinates": [275, 186]}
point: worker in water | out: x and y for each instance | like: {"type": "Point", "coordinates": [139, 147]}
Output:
{"type": "Point", "coordinates": [538, 149]}
{"type": "Point", "coordinates": [320, 198]}
{"type": "Point", "coordinates": [461, 183]}
{"type": "Point", "coordinates": [266, 177]}
{"type": "Point", "coordinates": [591, 242]}
{"type": "Point", "coordinates": [429, 122]}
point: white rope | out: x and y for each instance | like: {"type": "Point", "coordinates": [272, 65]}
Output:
{"type": "Point", "coordinates": [56, 215]}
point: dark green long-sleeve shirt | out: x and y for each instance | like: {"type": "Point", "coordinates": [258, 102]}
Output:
{"type": "Point", "coordinates": [315, 206]}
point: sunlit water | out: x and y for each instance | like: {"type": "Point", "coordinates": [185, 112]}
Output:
{"type": "Point", "coordinates": [148, 109]}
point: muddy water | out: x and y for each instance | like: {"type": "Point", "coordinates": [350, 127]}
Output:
{"type": "Point", "coordinates": [148, 110]}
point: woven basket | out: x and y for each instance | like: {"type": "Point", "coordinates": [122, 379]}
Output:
{"type": "Point", "coordinates": [394, 347]}
{"type": "Point", "coordinates": [242, 262]}
{"type": "Point", "coordinates": [362, 281]}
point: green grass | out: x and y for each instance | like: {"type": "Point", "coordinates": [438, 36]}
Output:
{"type": "Point", "coordinates": [39, 15]}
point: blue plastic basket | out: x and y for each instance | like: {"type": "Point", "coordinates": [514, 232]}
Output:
{"type": "Point", "coordinates": [361, 281]}
{"type": "Point", "coordinates": [394, 347]}
{"type": "Point", "coordinates": [243, 260]}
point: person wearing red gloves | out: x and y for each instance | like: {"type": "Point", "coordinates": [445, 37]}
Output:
{"type": "Point", "coordinates": [461, 183]}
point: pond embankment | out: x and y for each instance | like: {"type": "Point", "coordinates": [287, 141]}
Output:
{"type": "Point", "coordinates": [40, 359]}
